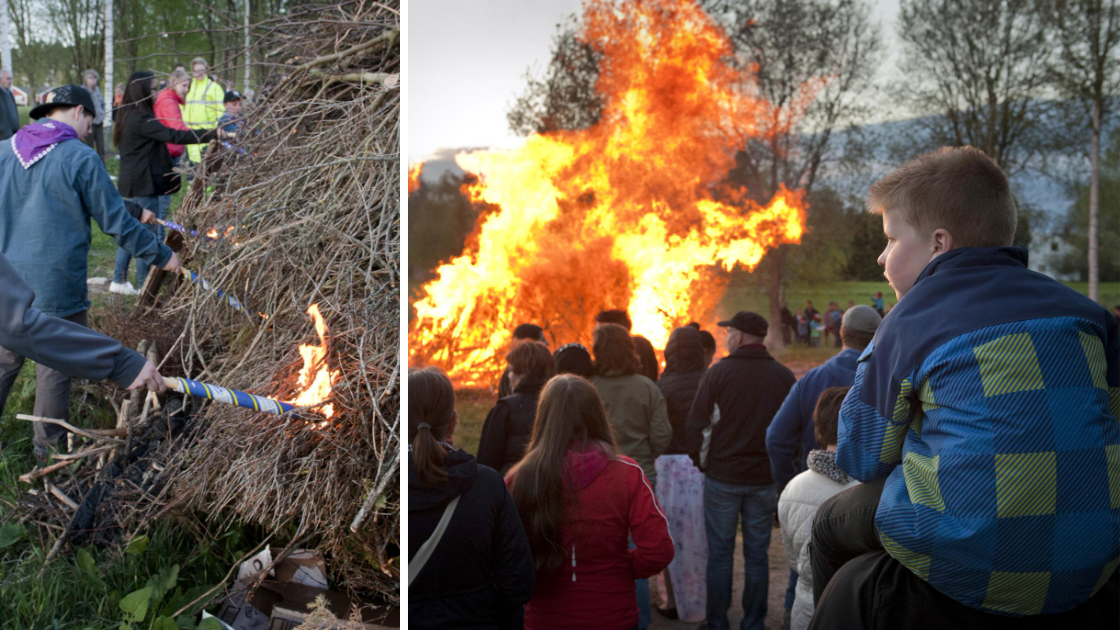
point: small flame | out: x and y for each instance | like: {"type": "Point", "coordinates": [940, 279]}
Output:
{"type": "Point", "coordinates": [316, 379]}
{"type": "Point", "coordinates": [212, 233]}
{"type": "Point", "coordinates": [414, 177]}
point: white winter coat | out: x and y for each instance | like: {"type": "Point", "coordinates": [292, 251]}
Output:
{"type": "Point", "coordinates": [796, 509]}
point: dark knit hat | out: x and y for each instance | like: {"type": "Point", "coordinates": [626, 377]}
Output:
{"type": "Point", "coordinates": [573, 358]}
{"type": "Point", "coordinates": [65, 96]}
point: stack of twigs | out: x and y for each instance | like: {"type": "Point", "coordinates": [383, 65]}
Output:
{"type": "Point", "coordinates": [306, 202]}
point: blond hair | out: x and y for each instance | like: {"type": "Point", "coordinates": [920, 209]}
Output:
{"type": "Point", "coordinates": [177, 76]}
{"type": "Point", "coordinates": [959, 189]}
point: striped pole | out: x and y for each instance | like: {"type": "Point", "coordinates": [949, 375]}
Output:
{"type": "Point", "coordinates": [222, 295]}
{"type": "Point", "coordinates": [171, 225]}
{"type": "Point", "coordinates": [228, 396]}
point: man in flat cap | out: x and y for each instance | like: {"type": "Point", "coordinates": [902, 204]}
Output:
{"type": "Point", "coordinates": [726, 434]}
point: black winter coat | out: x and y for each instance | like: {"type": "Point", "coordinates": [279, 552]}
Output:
{"type": "Point", "coordinates": [508, 426]}
{"type": "Point", "coordinates": [737, 399]}
{"type": "Point", "coordinates": [146, 168]}
{"type": "Point", "coordinates": [684, 367]}
{"type": "Point", "coordinates": [481, 572]}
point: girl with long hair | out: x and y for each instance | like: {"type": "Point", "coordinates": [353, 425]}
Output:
{"type": "Point", "coordinates": [146, 173]}
{"type": "Point", "coordinates": [580, 501]}
{"type": "Point", "coordinates": [509, 424]}
{"type": "Point", "coordinates": [469, 562]}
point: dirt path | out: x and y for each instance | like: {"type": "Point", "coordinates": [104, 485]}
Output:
{"type": "Point", "coordinates": [779, 581]}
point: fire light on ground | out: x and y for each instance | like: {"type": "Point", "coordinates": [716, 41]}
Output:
{"type": "Point", "coordinates": [635, 212]}
{"type": "Point", "coordinates": [315, 378]}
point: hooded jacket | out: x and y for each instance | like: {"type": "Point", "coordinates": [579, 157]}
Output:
{"type": "Point", "coordinates": [637, 413]}
{"type": "Point", "coordinates": [796, 509]}
{"type": "Point", "coordinates": [481, 573]}
{"type": "Point", "coordinates": [726, 427]}
{"type": "Point", "coordinates": [684, 367]}
{"type": "Point", "coordinates": [793, 425]}
{"type": "Point", "coordinates": [505, 434]}
{"type": "Point", "coordinates": [168, 109]}
{"type": "Point", "coordinates": [612, 502]}
{"type": "Point", "coordinates": [990, 400]}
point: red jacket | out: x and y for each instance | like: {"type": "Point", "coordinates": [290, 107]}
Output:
{"type": "Point", "coordinates": [595, 589]}
{"type": "Point", "coordinates": [167, 112]}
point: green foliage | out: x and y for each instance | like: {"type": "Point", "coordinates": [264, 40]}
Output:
{"type": "Point", "coordinates": [439, 219]}
{"type": "Point", "coordinates": [823, 253]}
{"type": "Point", "coordinates": [1075, 231]}
{"type": "Point", "coordinates": [137, 546]}
{"type": "Point", "coordinates": [10, 534]}
{"type": "Point", "coordinates": [867, 243]}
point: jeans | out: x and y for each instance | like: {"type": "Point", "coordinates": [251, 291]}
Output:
{"type": "Point", "coordinates": [724, 505]}
{"type": "Point", "coordinates": [52, 392]}
{"type": "Point", "coordinates": [159, 205]}
{"type": "Point", "coordinates": [791, 590]}
{"type": "Point", "coordinates": [641, 590]}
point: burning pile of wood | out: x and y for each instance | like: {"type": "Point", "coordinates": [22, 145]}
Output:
{"type": "Point", "coordinates": [303, 212]}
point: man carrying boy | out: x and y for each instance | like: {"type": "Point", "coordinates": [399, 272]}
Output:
{"type": "Point", "coordinates": [51, 184]}
{"type": "Point", "coordinates": [984, 414]}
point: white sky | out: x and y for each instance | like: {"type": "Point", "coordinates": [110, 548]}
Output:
{"type": "Point", "coordinates": [467, 61]}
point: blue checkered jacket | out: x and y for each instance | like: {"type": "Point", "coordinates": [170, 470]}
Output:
{"type": "Point", "coordinates": [990, 399]}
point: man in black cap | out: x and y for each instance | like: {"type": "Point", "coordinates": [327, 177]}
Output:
{"type": "Point", "coordinates": [726, 435]}
{"type": "Point", "coordinates": [51, 185]}
{"type": "Point", "coordinates": [530, 332]}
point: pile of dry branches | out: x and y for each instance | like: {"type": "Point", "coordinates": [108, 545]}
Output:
{"type": "Point", "coordinates": [306, 203]}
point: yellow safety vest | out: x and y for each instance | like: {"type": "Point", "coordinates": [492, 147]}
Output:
{"type": "Point", "coordinates": [204, 106]}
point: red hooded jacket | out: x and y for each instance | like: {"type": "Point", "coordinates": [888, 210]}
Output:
{"type": "Point", "coordinates": [168, 113]}
{"type": "Point", "coordinates": [595, 588]}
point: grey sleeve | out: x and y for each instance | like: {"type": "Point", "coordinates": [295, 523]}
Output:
{"type": "Point", "coordinates": [56, 343]}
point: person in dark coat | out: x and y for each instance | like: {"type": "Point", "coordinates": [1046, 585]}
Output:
{"type": "Point", "coordinates": [510, 423]}
{"type": "Point", "coordinates": [9, 115]}
{"type": "Point", "coordinates": [726, 432]}
{"type": "Point", "coordinates": [647, 356]}
{"type": "Point", "coordinates": [146, 173]}
{"type": "Point", "coordinates": [481, 572]}
{"type": "Point", "coordinates": [680, 485]}
{"type": "Point", "coordinates": [524, 332]}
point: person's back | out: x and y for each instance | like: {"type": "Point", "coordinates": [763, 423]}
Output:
{"type": "Point", "coordinates": [638, 414]}
{"type": "Point", "coordinates": [507, 428]}
{"type": "Point", "coordinates": [477, 572]}
{"type": "Point", "coordinates": [804, 494]}
{"type": "Point", "coordinates": [684, 367]}
{"type": "Point", "coordinates": [988, 402]}
{"type": "Point", "coordinates": [596, 589]}
{"type": "Point", "coordinates": [582, 502]}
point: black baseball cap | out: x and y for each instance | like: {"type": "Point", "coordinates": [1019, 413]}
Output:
{"type": "Point", "coordinates": [66, 96]}
{"type": "Point", "coordinates": [232, 95]}
{"type": "Point", "coordinates": [748, 322]}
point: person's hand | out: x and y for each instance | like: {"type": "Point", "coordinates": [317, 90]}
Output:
{"type": "Point", "coordinates": [173, 265]}
{"type": "Point", "coordinates": [148, 377]}
{"type": "Point", "coordinates": [147, 216]}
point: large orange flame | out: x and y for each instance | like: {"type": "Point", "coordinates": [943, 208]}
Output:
{"type": "Point", "coordinates": [414, 177]}
{"type": "Point", "coordinates": [316, 379]}
{"type": "Point", "coordinates": [634, 212]}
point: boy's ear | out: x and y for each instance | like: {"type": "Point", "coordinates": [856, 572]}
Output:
{"type": "Point", "coordinates": [942, 241]}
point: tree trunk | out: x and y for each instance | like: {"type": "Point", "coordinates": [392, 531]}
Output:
{"type": "Point", "coordinates": [107, 82]}
{"type": "Point", "coordinates": [6, 41]}
{"type": "Point", "coordinates": [776, 293]}
{"type": "Point", "coordinates": [248, 56]}
{"type": "Point", "coordinates": [1094, 201]}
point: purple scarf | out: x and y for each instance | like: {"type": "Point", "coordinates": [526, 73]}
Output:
{"type": "Point", "coordinates": [33, 142]}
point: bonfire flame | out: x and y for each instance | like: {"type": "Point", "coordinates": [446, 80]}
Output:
{"type": "Point", "coordinates": [414, 177]}
{"type": "Point", "coordinates": [634, 212]}
{"type": "Point", "coordinates": [316, 379]}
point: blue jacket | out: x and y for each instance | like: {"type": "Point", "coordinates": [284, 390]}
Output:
{"type": "Point", "coordinates": [44, 223]}
{"type": "Point", "coordinates": [794, 422]}
{"type": "Point", "coordinates": [997, 389]}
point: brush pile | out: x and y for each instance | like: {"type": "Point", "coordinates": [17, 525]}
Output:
{"type": "Point", "coordinates": [305, 207]}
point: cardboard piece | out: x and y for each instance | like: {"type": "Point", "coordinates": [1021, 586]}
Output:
{"type": "Point", "coordinates": [303, 566]}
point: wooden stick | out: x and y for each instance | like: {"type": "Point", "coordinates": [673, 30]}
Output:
{"type": "Point", "coordinates": [80, 454]}
{"type": "Point", "coordinates": [42, 472]}
{"type": "Point", "coordinates": [60, 495]}
{"type": "Point", "coordinates": [387, 35]}
{"type": "Point", "coordinates": [107, 435]}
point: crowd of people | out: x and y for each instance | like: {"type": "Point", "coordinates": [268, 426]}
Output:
{"type": "Point", "coordinates": [53, 180]}
{"type": "Point", "coordinates": [947, 468]}
{"type": "Point", "coordinates": [810, 327]}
